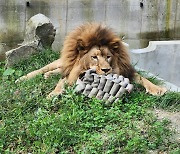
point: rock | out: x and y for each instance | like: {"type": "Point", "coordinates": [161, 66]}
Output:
{"type": "Point", "coordinates": [23, 52]}
{"type": "Point", "coordinates": [103, 87]}
{"type": "Point", "coordinates": [40, 33]}
{"type": "Point", "coordinates": [2, 52]}
{"type": "Point", "coordinates": [39, 27]}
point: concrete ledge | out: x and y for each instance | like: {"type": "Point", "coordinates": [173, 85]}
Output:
{"type": "Point", "coordinates": [153, 45]}
{"type": "Point", "coordinates": [162, 59]}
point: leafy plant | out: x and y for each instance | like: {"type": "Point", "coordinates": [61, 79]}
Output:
{"type": "Point", "coordinates": [8, 72]}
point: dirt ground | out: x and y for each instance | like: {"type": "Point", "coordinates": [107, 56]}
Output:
{"type": "Point", "coordinates": [173, 117]}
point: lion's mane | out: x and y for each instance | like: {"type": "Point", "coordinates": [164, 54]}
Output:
{"type": "Point", "coordinates": [92, 34]}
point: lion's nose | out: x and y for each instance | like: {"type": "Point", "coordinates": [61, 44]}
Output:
{"type": "Point", "coordinates": [105, 70]}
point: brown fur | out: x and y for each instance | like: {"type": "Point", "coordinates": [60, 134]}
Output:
{"type": "Point", "coordinates": [89, 35]}
{"type": "Point", "coordinates": [93, 46]}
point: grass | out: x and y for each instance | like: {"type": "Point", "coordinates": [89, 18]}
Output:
{"type": "Point", "coordinates": [73, 123]}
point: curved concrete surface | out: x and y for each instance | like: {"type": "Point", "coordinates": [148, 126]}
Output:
{"type": "Point", "coordinates": [162, 59]}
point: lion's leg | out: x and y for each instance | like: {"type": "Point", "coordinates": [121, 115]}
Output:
{"type": "Point", "coordinates": [58, 89]}
{"type": "Point", "coordinates": [73, 76]}
{"type": "Point", "coordinates": [149, 86]}
{"type": "Point", "coordinates": [53, 72]}
{"type": "Point", "coordinates": [49, 67]}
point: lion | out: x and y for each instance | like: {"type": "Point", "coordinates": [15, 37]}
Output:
{"type": "Point", "coordinates": [92, 46]}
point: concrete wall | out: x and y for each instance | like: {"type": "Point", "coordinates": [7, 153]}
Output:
{"type": "Point", "coordinates": [161, 58]}
{"type": "Point", "coordinates": [153, 20]}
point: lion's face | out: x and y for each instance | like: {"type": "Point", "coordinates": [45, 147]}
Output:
{"type": "Point", "coordinates": [99, 59]}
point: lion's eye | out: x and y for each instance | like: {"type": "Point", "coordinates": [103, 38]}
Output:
{"type": "Point", "coordinates": [94, 57]}
{"type": "Point", "coordinates": [108, 57]}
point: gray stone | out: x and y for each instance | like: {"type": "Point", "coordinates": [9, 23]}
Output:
{"type": "Point", "coordinates": [129, 87]}
{"type": "Point", "coordinates": [106, 96]}
{"type": "Point", "coordinates": [110, 100]}
{"type": "Point", "coordinates": [80, 85]}
{"type": "Point", "coordinates": [96, 81]}
{"type": "Point", "coordinates": [108, 86]}
{"type": "Point", "coordinates": [40, 33]}
{"type": "Point", "coordinates": [87, 89]}
{"type": "Point", "coordinates": [120, 92]}
{"type": "Point", "coordinates": [39, 27]}
{"type": "Point", "coordinates": [2, 52]}
{"type": "Point", "coordinates": [93, 92]}
{"type": "Point", "coordinates": [102, 82]}
{"type": "Point", "coordinates": [102, 86]}
{"type": "Point", "coordinates": [114, 89]}
{"type": "Point", "coordinates": [15, 55]}
{"type": "Point", "coordinates": [100, 94]}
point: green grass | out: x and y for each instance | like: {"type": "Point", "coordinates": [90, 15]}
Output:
{"type": "Point", "coordinates": [73, 123]}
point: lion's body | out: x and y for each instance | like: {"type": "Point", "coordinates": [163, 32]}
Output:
{"type": "Point", "coordinates": [93, 46]}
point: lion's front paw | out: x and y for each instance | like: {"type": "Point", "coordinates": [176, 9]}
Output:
{"type": "Point", "coordinates": [54, 93]}
{"type": "Point", "coordinates": [21, 79]}
{"type": "Point", "coordinates": [156, 90]}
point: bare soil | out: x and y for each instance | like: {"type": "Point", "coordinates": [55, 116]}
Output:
{"type": "Point", "coordinates": [173, 117]}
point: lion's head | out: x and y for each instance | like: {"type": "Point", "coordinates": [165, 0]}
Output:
{"type": "Point", "coordinates": [95, 46]}
{"type": "Point", "coordinates": [99, 59]}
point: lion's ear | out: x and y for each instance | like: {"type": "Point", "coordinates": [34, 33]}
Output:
{"type": "Point", "coordinates": [80, 45]}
